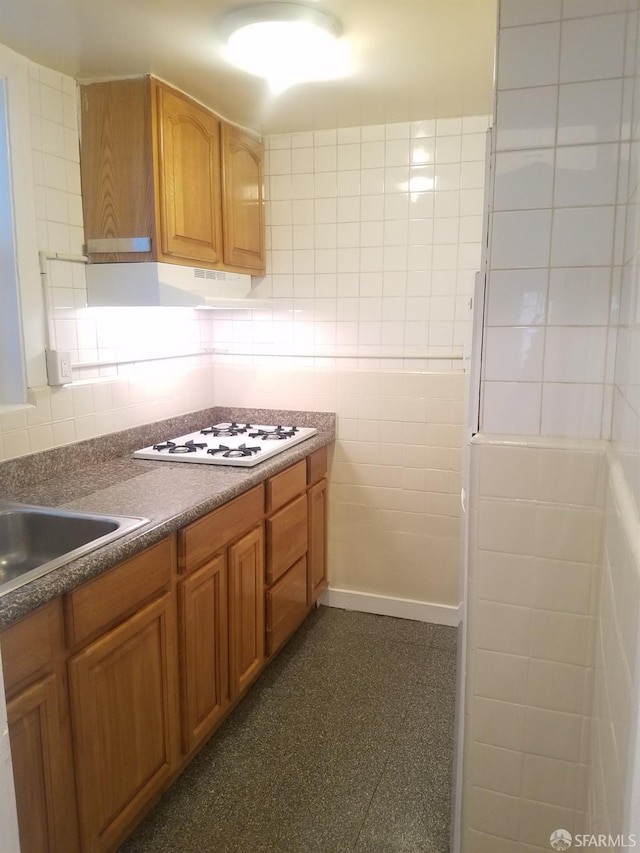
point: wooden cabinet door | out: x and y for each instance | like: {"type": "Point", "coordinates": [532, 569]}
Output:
{"type": "Point", "coordinates": [124, 722]}
{"type": "Point", "coordinates": [190, 207]}
{"type": "Point", "coordinates": [203, 607]}
{"type": "Point", "coordinates": [317, 556]}
{"type": "Point", "coordinates": [246, 610]}
{"type": "Point", "coordinates": [45, 814]}
{"type": "Point", "coordinates": [243, 200]}
{"type": "Point", "coordinates": [116, 166]}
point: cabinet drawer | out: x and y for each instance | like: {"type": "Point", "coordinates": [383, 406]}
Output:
{"type": "Point", "coordinates": [286, 538]}
{"type": "Point", "coordinates": [317, 466]}
{"type": "Point", "coordinates": [285, 486]}
{"type": "Point", "coordinates": [29, 647]}
{"type": "Point", "coordinates": [98, 605]}
{"type": "Point", "coordinates": [199, 541]}
{"type": "Point", "coordinates": [286, 605]}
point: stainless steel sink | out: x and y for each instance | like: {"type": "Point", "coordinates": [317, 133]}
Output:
{"type": "Point", "coordinates": [35, 540]}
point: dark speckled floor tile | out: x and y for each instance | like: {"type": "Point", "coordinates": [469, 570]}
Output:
{"type": "Point", "coordinates": [345, 727]}
{"type": "Point", "coordinates": [444, 637]}
{"type": "Point", "coordinates": [410, 810]}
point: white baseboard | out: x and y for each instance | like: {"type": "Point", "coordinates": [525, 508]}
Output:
{"type": "Point", "coordinates": [403, 608]}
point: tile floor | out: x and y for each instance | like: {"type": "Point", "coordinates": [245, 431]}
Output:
{"type": "Point", "coordinates": [344, 745]}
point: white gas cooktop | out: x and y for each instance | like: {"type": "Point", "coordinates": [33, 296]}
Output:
{"type": "Point", "coordinates": [228, 444]}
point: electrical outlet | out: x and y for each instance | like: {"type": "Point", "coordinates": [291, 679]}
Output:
{"type": "Point", "coordinates": [58, 367]}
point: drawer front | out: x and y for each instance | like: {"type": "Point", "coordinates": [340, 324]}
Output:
{"type": "Point", "coordinates": [100, 604]}
{"type": "Point", "coordinates": [285, 486]}
{"type": "Point", "coordinates": [286, 605]}
{"type": "Point", "coordinates": [30, 646]}
{"type": "Point", "coordinates": [199, 541]}
{"type": "Point", "coordinates": [286, 538]}
{"type": "Point", "coordinates": [317, 466]}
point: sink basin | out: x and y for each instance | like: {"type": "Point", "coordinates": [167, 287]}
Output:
{"type": "Point", "coordinates": [35, 540]}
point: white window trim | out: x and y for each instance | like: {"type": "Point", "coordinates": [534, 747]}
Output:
{"type": "Point", "coordinates": [14, 71]}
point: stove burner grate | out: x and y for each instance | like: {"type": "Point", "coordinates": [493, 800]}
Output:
{"type": "Point", "coordinates": [278, 434]}
{"type": "Point", "coordinates": [188, 447]}
{"type": "Point", "coordinates": [234, 452]}
{"type": "Point", "coordinates": [226, 431]}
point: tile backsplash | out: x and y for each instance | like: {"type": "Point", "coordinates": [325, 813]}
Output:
{"type": "Point", "coordinates": [373, 237]}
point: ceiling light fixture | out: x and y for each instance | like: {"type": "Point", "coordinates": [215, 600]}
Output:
{"type": "Point", "coordinates": [286, 43]}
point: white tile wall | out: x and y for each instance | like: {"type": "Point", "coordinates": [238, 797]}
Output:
{"type": "Point", "coordinates": [533, 575]}
{"type": "Point", "coordinates": [395, 474]}
{"type": "Point", "coordinates": [556, 227]}
{"type": "Point", "coordinates": [614, 755]}
{"type": "Point", "coordinates": [538, 592]}
{"type": "Point", "coordinates": [373, 239]}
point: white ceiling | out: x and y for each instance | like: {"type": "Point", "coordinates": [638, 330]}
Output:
{"type": "Point", "coordinates": [414, 58]}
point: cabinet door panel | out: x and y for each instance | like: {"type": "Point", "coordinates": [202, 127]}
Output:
{"type": "Point", "coordinates": [203, 607]}
{"type": "Point", "coordinates": [188, 163]}
{"type": "Point", "coordinates": [243, 199]}
{"type": "Point", "coordinates": [116, 165]}
{"type": "Point", "coordinates": [317, 497]}
{"type": "Point", "coordinates": [246, 610]}
{"type": "Point", "coordinates": [36, 751]}
{"type": "Point", "coordinates": [123, 718]}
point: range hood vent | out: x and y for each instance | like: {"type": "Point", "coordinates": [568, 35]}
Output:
{"type": "Point", "coordinates": [155, 284]}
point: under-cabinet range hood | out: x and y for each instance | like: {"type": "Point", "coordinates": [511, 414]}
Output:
{"type": "Point", "coordinates": [123, 284]}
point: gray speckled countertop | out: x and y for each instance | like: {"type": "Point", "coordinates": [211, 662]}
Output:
{"type": "Point", "coordinates": [100, 475]}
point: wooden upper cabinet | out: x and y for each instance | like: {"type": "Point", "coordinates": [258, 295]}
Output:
{"type": "Point", "coordinates": [117, 166]}
{"type": "Point", "coordinates": [153, 167]}
{"type": "Point", "coordinates": [188, 177]}
{"type": "Point", "coordinates": [243, 199]}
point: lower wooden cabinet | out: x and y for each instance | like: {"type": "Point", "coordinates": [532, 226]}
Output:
{"type": "Point", "coordinates": [39, 731]}
{"type": "Point", "coordinates": [38, 756]}
{"type": "Point", "coordinates": [204, 656]}
{"type": "Point", "coordinates": [112, 688]}
{"type": "Point", "coordinates": [246, 610]}
{"type": "Point", "coordinates": [124, 722]}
